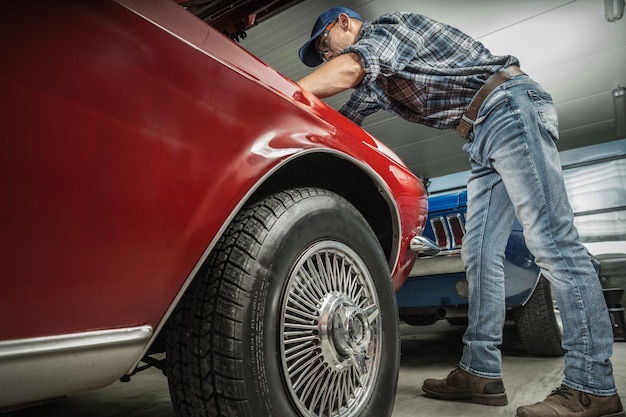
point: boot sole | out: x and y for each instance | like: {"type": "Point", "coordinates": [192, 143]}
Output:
{"type": "Point", "coordinates": [483, 399]}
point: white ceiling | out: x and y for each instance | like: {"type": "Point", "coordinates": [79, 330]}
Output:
{"type": "Point", "coordinates": [568, 46]}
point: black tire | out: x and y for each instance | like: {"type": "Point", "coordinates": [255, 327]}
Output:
{"type": "Point", "coordinates": [294, 314]}
{"type": "Point", "coordinates": [539, 324]}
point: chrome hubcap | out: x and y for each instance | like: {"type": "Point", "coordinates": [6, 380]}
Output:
{"type": "Point", "coordinates": [345, 332]}
{"type": "Point", "coordinates": [330, 325]}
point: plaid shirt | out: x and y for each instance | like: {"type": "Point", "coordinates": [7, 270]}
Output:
{"type": "Point", "coordinates": [420, 69]}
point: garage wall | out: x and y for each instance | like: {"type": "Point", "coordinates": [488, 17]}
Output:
{"type": "Point", "coordinates": [595, 177]}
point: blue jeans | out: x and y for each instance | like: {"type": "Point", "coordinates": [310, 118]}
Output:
{"type": "Point", "coordinates": [516, 172]}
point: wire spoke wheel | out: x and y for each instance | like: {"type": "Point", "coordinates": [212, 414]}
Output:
{"type": "Point", "coordinates": [331, 330]}
{"type": "Point", "coordinates": [300, 275]}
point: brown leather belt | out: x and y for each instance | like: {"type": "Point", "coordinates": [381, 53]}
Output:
{"type": "Point", "coordinates": [467, 121]}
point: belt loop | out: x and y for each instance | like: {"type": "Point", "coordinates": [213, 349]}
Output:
{"type": "Point", "coordinates": [464, 127]}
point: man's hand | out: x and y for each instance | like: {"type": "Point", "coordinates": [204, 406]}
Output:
{"type": "Point", "coordinates": [339, 74]}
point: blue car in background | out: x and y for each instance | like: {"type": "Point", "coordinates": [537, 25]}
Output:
{"type": "Point", "coordinates": [437, 287]}
{"type": "Point", "coordinates": [595, 179]}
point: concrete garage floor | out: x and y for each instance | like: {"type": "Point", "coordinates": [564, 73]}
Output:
{"type": "Point", "coordinates": [426, 352]}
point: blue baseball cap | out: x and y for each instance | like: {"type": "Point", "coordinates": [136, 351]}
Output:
{"type": "Point", "coordinates": [308, 52]}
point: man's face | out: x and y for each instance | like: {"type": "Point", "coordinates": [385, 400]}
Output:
{"type": "Point", "coordinates": [335, 38]}
{"type": "Point", "coordinates": [323, 42]}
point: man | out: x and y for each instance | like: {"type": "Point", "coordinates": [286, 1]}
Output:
{"type": "Point", "coordinates": [430, 73]}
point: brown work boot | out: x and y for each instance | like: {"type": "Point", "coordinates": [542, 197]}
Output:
{"type": "Point", "coordinates": [461, 385]}
{"type": "Point", "coordinates": [568, 402]}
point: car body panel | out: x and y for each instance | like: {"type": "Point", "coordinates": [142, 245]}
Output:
{"type": "Point", "coordinates": [132, 135]}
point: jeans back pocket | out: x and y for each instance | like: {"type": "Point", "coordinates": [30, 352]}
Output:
{"type": "Point", "coordinates": [547, 112]}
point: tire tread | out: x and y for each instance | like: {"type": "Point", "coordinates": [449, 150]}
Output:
{"type": "Point", "coordinates": [537, 325]}
{"type": "Point", "coordinates": [205, 380]}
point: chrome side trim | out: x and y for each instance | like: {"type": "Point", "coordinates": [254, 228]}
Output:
{"type": "Point", "coordinates": [446, 262]}
{"type": "Point", "coordinates": [13, 348]}
{"type": "Point", "coordinates": [47, 367]}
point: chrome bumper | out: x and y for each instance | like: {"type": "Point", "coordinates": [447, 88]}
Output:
{"type": "Point", "coordinates": [424, 246]}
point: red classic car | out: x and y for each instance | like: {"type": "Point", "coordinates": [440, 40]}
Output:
{"type": "Point", "coordinates": [170, 200]}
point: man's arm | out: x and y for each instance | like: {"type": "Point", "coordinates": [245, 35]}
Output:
{"type": "Point", "coordinates": [339, 74]}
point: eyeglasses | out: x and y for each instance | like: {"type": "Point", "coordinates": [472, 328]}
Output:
{"type": "Point", "coordinates": [323, 44]}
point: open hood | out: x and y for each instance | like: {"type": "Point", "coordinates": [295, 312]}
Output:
{"type": "Point", "coordinates": [233, 18]}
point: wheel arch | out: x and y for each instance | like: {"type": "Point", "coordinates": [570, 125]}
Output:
{"type": "Point", "coordinates": [354, 181]}
{"type": "Point", "coordinates": [337, 172]}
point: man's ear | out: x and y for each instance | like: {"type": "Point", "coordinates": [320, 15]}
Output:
{"type": "Point", "coordinates": [344, 21]}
